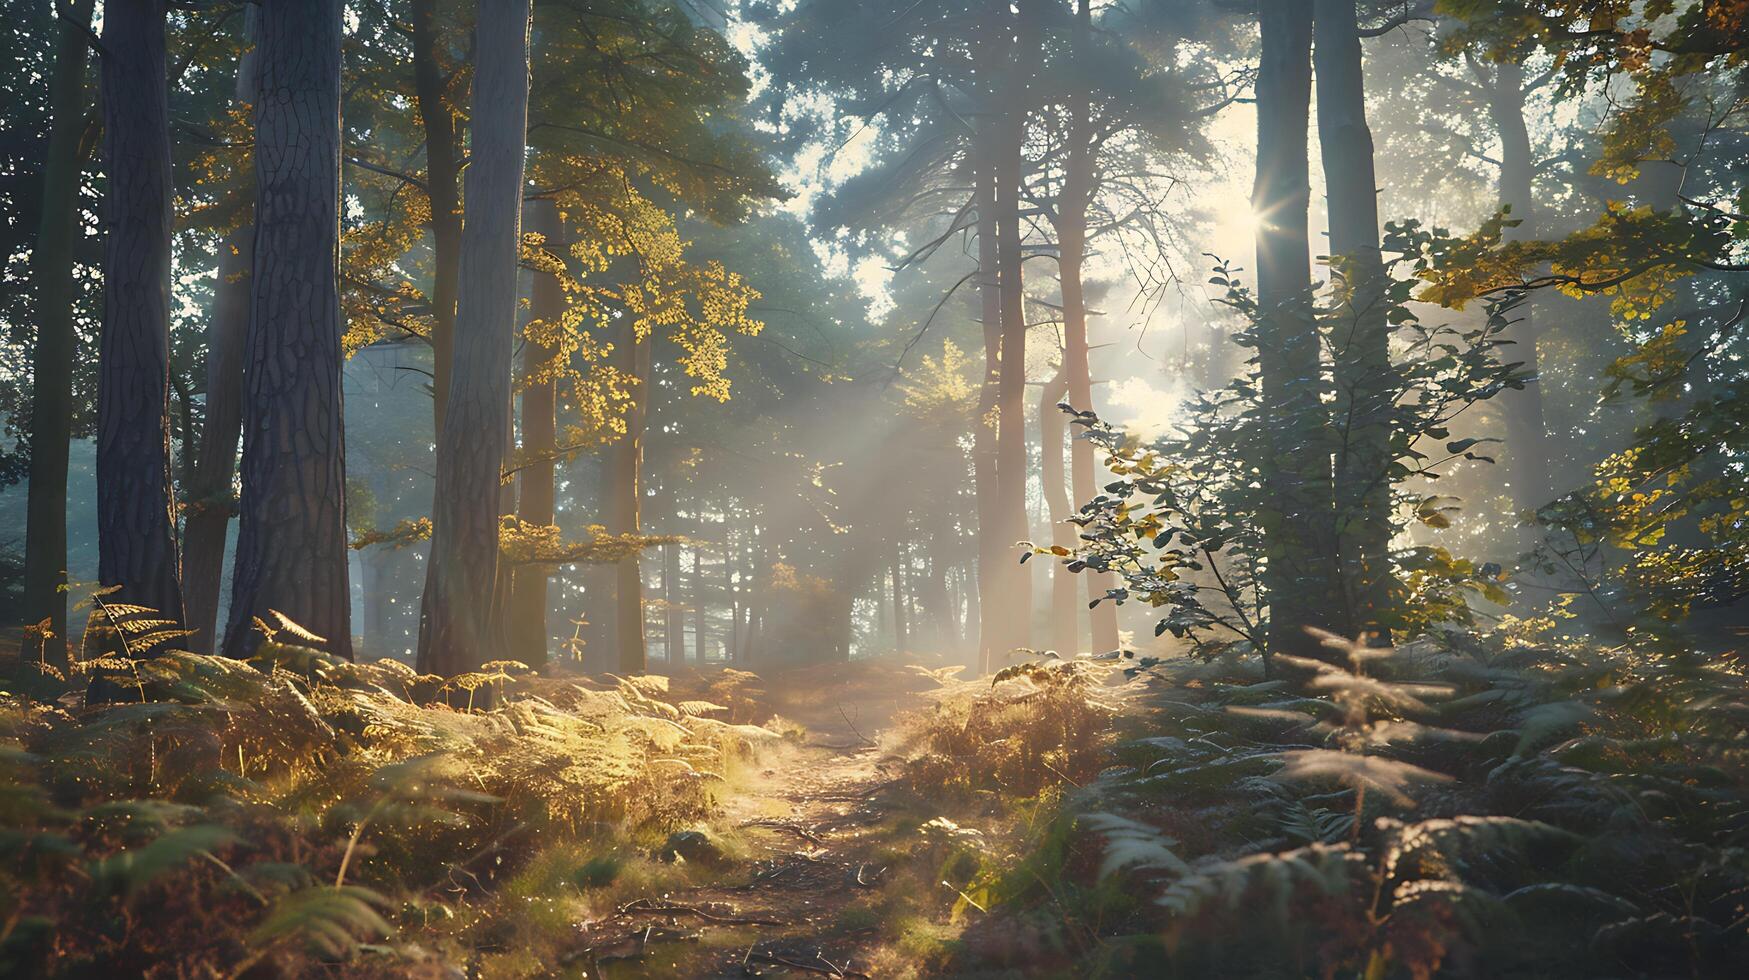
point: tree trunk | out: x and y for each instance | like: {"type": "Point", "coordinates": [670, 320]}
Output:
{"type": "Point", "coordinates": [623, 496]}
{"type": "Point", "coordinates": [291, 533]}
{"type": "Point", "coordinates": [536, 485]}
{"type": "Point", "coordinates": [1064, 633]}
{"type": "Point", "coordinates": [1297, 513]}
{"type": "Point", "coordinates": [136, 509]}
{"type": "Point", "coordinates": [1365, 386]}
{"type": "Point", "coordinates": [983, 432]}
{"type": "Point", "coordinates": [51, 390]}
{"type": "Point", "coordinates": [443, 187]}
{"type": "Point", "coordinates": [211, 499]}
{"type": "Point", "coordinates": [1013, 594]}
{"type": "Point", "coordinates": [456, 632]}
{"type": "Point", "coordinates": [901, 624]}
{"type": "Point", "coordinates": [1527, 444]}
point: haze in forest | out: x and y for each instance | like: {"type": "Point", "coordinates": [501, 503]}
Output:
{"type": "Point", "coordinates": [1090, 470]}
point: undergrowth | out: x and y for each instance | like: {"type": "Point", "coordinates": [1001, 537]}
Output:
{"type": "Point", "coordinates": [191, 815]}
{"type": "Point", "coordinates": [1468, 806]}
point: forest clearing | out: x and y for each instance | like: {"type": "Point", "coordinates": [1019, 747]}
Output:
{"type": "Point", "coordinates": [874, 488]}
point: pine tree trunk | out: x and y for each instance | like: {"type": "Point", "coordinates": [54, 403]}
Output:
{"type": "Point", "coordinates": [1013, 612]}
{"type": "Point", "coordinates": [1527, 444]}
{"type": "Point", "coordinates": [211, 499]}
{"type": "Point", "coordinates": [443, 186]}
{"type": "Point", "coordinates": [51, 270]}
{"type": "Point", "coordinates": [1051, 423]}
{"type": "Point", "coordinates": [1298, 512]}
{"type": "Point", "coordinates": [1365, 383]}
{"type": "Point", "coordinates": [211, 502]}
{"type": "Point", "coordinates": [536, 484]}
{"type": "Point", "coordinates": [291, 532]}
{"type": "Point", "coordinates": [983, 432]}
{"type": "Point", "coordinates": [623, 495]}
{"type": "Point", "coordinates": [456, 634]}
{"type": "Point", "coordinates": [136, 509]}
{"type": "Point", "coordinates": [1077, 190]}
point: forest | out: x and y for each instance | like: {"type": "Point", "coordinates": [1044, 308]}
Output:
{"type": "Point", "coordinates": [874, 488]}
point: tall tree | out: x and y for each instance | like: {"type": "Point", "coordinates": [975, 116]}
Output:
{"type": "Point", "coordinates": [210, 502]}
{"type": "Point", "coordinates": [1297, 579]}
{"type": "Point", "coordinates": [51, 270]}
{"type": "Point", "coordinates": [455, 631]}
{"type": "Point", "coordinates": [136, 518]}
{"type": "Point", "coordinates": [1072, 206]}
{"type": "Point", "coordinates": [536, 493]}
{"type": "Point", "coordinates": [624, 475]}
{"type": "Point", "coordinates": [1527, 442]}
{"type": "Point", "coordinates": [1013, 598]}
{"type": "Point", "coordinates": [1361, 335]}
{"type": "Point", "coordinates": [291, 532]}
{"type": "Point", "coordinates": [431, 87]}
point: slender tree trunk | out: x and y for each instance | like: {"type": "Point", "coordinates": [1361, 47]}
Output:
{"type": "Point", "coordinates": [624, 494]}
{"type": "Point", "coordinates": [1298, 510]}
{"type": "Point", "coordinates": [443, 185]}
{"type": "Point", "coordinates": [456, 633]}
{"type": "Point", "coordinates": [536, 481]}
{"type": "Point", "coordinates": [1064, 632]}
{"type": "Point", "coordinates": [699, 582]}
{"type": "Point", "coordinates": [1365, 385]}
{"type": "Point", "coordinates": [211, 498]}
{"type": "Point", "coordinates": [901, 623]}
{"type": "Point", "coordinates": [1527, 443]}
{"type": "Point", "coordinates": [51, 391]}
{"type": "Point", "coordinates": [983, 431]}
{"type": "Point", "coordinates": [670, 611]}
{"type": "Point", "coordinates": [1013, 612]}
{"type": "Point", "coordinates": [1078, 179]}
{"type": "Point", "coordinates": [136, 509]}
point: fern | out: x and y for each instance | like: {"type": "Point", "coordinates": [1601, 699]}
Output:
{"type": "Point", "coordinates": [1132, 844]}
{"type": "Point", "coordinates": [330, 921]}
{"type": "Point", "coordinates": [134, 869]}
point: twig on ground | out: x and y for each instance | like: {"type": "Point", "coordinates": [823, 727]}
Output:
{"type": "Point", "coordinates": [828, 970]}
{"type": "Point", "coordinates": [655, 907]}
{"type": "Point", "coordinates": [868, 881]}
{"type": "Point", "coordinates": [858, 732]}
{"type": "Point", "coordinates": [800, 831]}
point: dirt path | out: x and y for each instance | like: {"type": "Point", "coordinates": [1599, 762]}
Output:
{"type": "Point", "coordinates": [809, 835]}
{"type": "Point", "coordinates": [805, 856]}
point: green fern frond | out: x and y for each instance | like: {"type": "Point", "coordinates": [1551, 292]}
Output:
{"type": "Point", "coordinates": [131, 870]}
{"type": "Point", "coordinates": [330, 921]}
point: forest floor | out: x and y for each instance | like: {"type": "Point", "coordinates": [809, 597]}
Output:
{"type": "Point", "coordinates": [812, 866]}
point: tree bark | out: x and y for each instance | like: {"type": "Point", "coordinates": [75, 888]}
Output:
{"type": "Point", "coordinates": [443, 188]}
{"type": "Point", "coordinates": [1298, 512]}
{"type": "Point", "coordinates": [1077, 191]}
{"type": "Point", "coordinates": [51, 392]}
{"type": "Point", "coordinates": [456, 632]}
{"type": "Point", "coordinates": [211, 500]}
{"type": "Point", "coordinates": [1527, 444]}
{"type": "Point", "coordinates": [136, 508]}
{"type": "Point", "coordinates": [1013, 612]}
{"type": "Point", "coordinates": [1064, 632]}
{"type": "Point", "coordinates": [291, 533]}
{"type": "Point", "coordinates": [983, 431]}
{"type": "Point", "coordinates": [625, 490]}
{"type": "Point", "coordinates": [536, 481]}
{"type": "Point", "coordinates": [1365, 386]}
